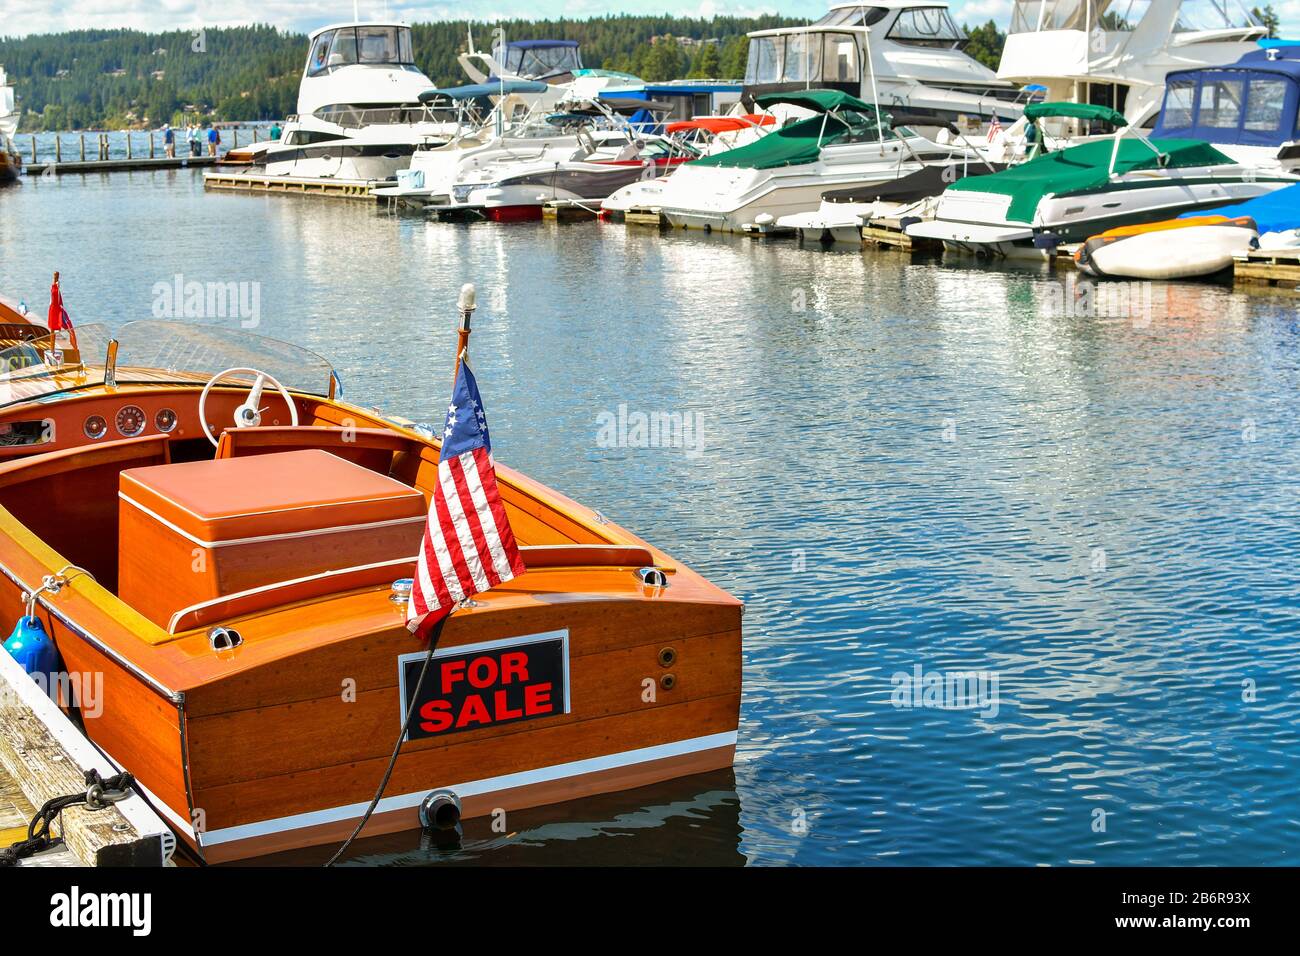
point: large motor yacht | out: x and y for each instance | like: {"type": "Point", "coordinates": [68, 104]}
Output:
{"type": "Point", "coordinates": [359, 111]}
{"type": "Point", "coordinates": [1116, 53]}
{"type": "Point", "coordinates": [10, 164]}
{"type": "Point", "coordinates": [894, 54]}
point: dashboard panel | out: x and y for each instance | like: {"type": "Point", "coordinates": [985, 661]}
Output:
{"type": "Point", "coordinates": [74, 420]}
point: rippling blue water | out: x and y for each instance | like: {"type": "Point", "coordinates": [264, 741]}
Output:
{"type": "Point", "coordinates": [904, 464]}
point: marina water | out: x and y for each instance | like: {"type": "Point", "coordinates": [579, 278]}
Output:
{"type": "Point", "coordinates": [1019, 559]}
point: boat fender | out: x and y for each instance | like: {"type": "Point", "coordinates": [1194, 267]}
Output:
{"type": "Point", "coordinates": [440, 810]}
{"type": "Point", "coordinates": [1046, 240]}
{"type": "Point", "coordinates": [31, 647]}
{"type": "Point", "coordinates": [907, 221]}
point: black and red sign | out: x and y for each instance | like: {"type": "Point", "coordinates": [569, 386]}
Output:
{"type": "Point", "coordinates": [486, 685]}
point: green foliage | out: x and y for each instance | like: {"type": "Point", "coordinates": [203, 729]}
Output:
{"type": "Point", "coordinates": [95, 79]}
{"type": "Point", "coordinates": [986, 44]}
{"type": "Point", "coordinates": [1268, 16]}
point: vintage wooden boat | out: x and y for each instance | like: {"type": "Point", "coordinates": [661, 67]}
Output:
{"type": "Point", "coordinates": [236, 582]}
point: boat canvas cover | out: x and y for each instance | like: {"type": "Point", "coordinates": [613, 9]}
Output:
{"type": "Point", "coordinates": [819, 101]}
{"type": "Point", "coordinates": [1253, 102]}
{"type": "Point", "coordinates": [1082, 168]}
{"type": "Point", "coordinates": [1278, 211]}
{"type": "Point", "coordinates": [1086, 111]}
{"type": "Point", "coordinates": [792, 145]}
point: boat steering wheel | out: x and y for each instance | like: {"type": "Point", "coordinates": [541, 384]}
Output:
{"type": "Point", "coordinates": [247, 415]}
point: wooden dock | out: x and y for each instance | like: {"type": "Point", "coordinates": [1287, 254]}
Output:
{"type": "Point", "coordinates": [889, 234]}
{"type": "Point", "coordinates": [354, 189]}
{"type": "Point", "coordinates": [117, 165]}
{"type": "Point", "coordinates": [645, 216]}
{"type": "Point", "coordinates": [1276, 270]}
{"type": "Point", "coordinates": [570, 210]}
{"type": "Point", "coordinates": [44, 756]}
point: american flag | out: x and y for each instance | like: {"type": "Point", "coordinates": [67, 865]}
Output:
{"type": "Point", "coordinates": [468, 545]}
{"type": "Point", "coordinates": [995, 127]}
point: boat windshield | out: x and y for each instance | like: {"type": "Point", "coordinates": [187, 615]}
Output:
{"type": "Point", "coordinates": [538, 58]}
{"type": "Point", "coordinates": [156, 351]}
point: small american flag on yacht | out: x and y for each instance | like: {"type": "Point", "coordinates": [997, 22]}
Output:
{"type": "Point", "coordinates": [995, 127]}
{"type": "Point", "coordinates": [468, 546]}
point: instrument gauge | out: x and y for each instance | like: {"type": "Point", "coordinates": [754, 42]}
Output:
{"type": "Point", "coordinates": [95, 427]}
{"type": "Point", "coordinates": [165, 420]}
{"type": "Point", "coordinates": [130, 420]}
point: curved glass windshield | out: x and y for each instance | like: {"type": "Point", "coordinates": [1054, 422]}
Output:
{"type": "Point", "coordinates": [370, 46]}
{"type": "Point", "coordinates": [161, 351]}
{"type": "Point", "coordinates": [530, 61]}
{"type": "Point", "coordinates": [930, 26]}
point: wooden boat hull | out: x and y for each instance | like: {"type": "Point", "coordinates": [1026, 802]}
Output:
{"type": "Point", "coordinates": [281, 742]}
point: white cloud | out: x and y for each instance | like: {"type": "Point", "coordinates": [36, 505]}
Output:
{"type": "Point", "coordinates": [22, 17]}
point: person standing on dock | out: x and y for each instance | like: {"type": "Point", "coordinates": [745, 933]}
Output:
{"type": "Point", "coordinates": [214, 140]}
{"type": "Point", "coordinates": [196, 144]}
{"type": "Point", "coordinates": [169, 140]}
{"type": "Point", "coordinates": [275, 131]}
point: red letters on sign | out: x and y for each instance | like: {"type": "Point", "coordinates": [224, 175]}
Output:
{"type": "Point", "coordinates": [436, 716]}
{"type": "Point", "coordinates": [537, 699]}
{"type": "Point", "coordinates": [486, 689]}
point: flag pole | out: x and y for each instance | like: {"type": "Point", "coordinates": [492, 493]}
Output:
{"type": "Point", "coordinates": [466, 303]}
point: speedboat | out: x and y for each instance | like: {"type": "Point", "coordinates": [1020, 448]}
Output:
{"type": "Point", "coordinates": [359, 112]}
{"type": "Point", "coordinates": [896, 54]}
{"type": "Point", "coordinates": [11, 163]}
{"type": "Point", "coordinates": [843, 143]}
{"type": "Point", "coordinates": [843, 212]}
{"type": "Point", "coordinates": [595, 160]}
{"type": "Point", "coordinates": [230, 554]}
{"type": "Point", "coordinates": [1117, 53]}
{"type": "Point", "coordinates": [707, 136]}
{"type": "Point", "coordinates": [1196, 246]}
{"type": "Point", "coordinates": [1067, 195]}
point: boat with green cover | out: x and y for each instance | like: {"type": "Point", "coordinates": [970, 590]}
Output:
{"type": "Point", "coordinates": [840, 142]}
{"type": "Point", "coordinates": [1067, 195]}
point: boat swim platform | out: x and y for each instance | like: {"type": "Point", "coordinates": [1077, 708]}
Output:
{"type": "Point", "coordinates": [889, 234]}
{"type": "Point", "coordinates": [43, 756]}
{"type": "Point", "coordinates": [37, 170]}
{"type": "Point", "coordinates": [246, 182]}
{"type": "Point", "coordinates": [645, 216]}
{"type": "Point", "coordinates": [1263, 270]}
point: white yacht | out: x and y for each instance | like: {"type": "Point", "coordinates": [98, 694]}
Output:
{"type": "Point", "coordinates": [897, 54]}
{"type": "Point", "coordinates": [1116, 53]}
{"type": "Point", "coordinates": [359, 111]}
{"type": "Point", "coordinates": [842, 143]}
{"type": "Point", "coordinates": [10, 163]}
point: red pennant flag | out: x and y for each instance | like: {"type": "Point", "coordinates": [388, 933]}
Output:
{"type": "Point", "coordinates": [57, 318]}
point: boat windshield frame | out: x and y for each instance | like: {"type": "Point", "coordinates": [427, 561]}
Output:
{"type": "Point", "coordinates": [161, 352]}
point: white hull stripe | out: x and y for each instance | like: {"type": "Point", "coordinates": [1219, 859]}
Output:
{"type": "Point", "coordinates": [473, 788]}
{"type": "Point", "coordinates": [257, 539]}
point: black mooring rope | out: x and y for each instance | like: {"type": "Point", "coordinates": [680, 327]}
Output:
{"type": "Point", "coordinates": [38, 828]}
{"type": "Point", "coordinates": [434, 635]}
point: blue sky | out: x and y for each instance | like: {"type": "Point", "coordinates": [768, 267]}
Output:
{"type": "Point", "coordinates": [52, 16]}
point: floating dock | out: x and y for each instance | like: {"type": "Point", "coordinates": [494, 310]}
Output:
{"type": "Point", "coordinates": [44, 756]}
{"type": "Point", "coordinates": [117, 165]}
{"type": "Point", "coordinates": [1278, 270]}
{"type": "Point", "coordinates": [570, 210]}
{"type": "Point", "coordinates": [645, 216]}
{"type": "Point", "coordinates": [243, 181]}
{"type": "Point", "coordinates": [889, 234]}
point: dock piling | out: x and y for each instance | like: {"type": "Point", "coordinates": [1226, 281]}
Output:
{"type": "Point", "coordinates": [128, 144]}
{"type": "Point", "coordinates": [58, 148]}
{"type": "Point", "coordinates": [83, 147]}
